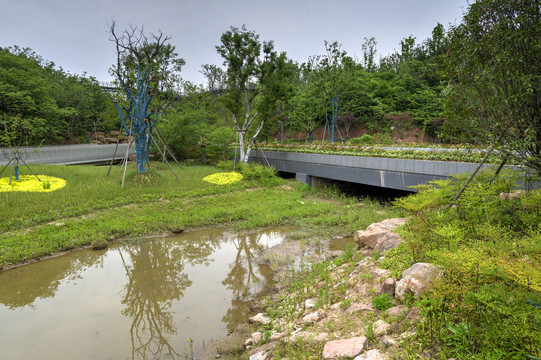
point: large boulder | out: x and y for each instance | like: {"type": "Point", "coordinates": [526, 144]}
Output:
{"type": "Point", "coordinates": [260, 318]}
{"type": "Point", "coordinates": [344, 348]}
{"type": "Point", "coordinates": [387, 287]}
{"type": "Point", "coordinates": [416, 280]}
{"type": "Point", "coordinates": [371, 355]}
{"type": "Point", "coordinates": [379, 236]}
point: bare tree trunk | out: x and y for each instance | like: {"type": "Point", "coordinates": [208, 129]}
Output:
{"type": "Point", "coordinates": [251, 142]}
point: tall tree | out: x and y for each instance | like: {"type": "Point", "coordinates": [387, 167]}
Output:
{"type": "Point", "coordinates": [254, 83]}
{"type": "Point", "coordinates": [369, 54]}
{"type": "Point", "coordinates": [148, 70]}
{"type": "Point", "coordinates": [332, 68]}
{"type": "Point", "coordinates": [494, 67]}
{"type": "Point", "coordinates": [215, 77]}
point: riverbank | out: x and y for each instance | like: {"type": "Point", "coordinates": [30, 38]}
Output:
{"type": "Point", "coordinates": [485, 305]}
{"type": "Point", "coordinates": [93, 209]}
{"type": "Point", "coordinates": [464, 283]}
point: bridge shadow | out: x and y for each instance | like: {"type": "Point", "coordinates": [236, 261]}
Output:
{"type": "Point", "coordinates": [377, 193]}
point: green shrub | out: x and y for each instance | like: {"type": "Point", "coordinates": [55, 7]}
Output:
{"type": "Point", "coordinates": [149, 177]}
{"type": "Point", "coordinates": [46, 185]}
{"type": "Point", "coordinates": [363, 140]}
{"type": "Point", "coordinates": [382, 302]}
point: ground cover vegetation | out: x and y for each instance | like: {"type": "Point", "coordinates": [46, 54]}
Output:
{"type": "Point", "coordinates": [92, 208]}
{"type": "Point", "coordinates": [484, 306]}
{"type": "Point", "coordinates": [487, 304]}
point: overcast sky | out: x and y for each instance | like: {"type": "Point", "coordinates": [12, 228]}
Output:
{"type": "Point", "coordinates": [74, 33]}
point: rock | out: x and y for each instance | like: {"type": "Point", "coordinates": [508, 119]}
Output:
{"type": "Point", "coordinates": [310, 303]}
{"type": "Point", "coordinates": [257, 337]}
{"type": "Point", "coordinates": [260, 318]}
{"type": "Point", "coordinates": [320, 337]}
{"type": "Point", "coordinates": [407, 335]}
{"type": "Point", "coordinates": [413, 315]}
{"type": "Point", "coordinates": [248, 342]}
{"type": "Point", "coordinates": [314, 317]}
{"type": "Point", "coordinates": [344, 348]}
{"type": "Point", "coordinates": [277, 336]}
{"type": "Point", "coordinates": [387, 287]}
{"type": "Point", "coordinates": [336, 306]}
{"type": "Point", "coordinates": [379, 236]}
{"type": "Point", "coordinates": [396, 311]}
{"type": "Point", "coordinates": [512, 195]}
{"type": "Point", "coordinates": [371, 355]}
{"type": "Point", "coordinates": [416, 280]}
{"type": "Point", "coordinates": [308, 336]}
{"type": "Point", "coordinates": [381, 327]}
{"type": "Point", "coordinates": [355, 307]}
{"type": "Point", "coordinates": [387, 241]}
{"type": "Point", "coordinates": [379, 273]}
{"type": "Point", "coordinates": [389, 341]}
{"type": "Point", "coordinates": [260, 352]}
{"type": "Point", "coordinates": [262, 355]}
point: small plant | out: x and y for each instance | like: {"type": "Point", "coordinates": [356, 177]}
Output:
{"type": "Point", "coordinates": [369, 331]}
{"type": "Point", "coordinates": [266, 336]}
{"type": "Point", "coordinates": [374, 254]}
{"type": "Point", "coordinates": [346, 303]}
{"type": "Point", "coordinates": [459, 336]}
{"type": "Point", "coordinates": [366, 276]}
{"type": "Point", "coordinates": [382, 302]}
{"type": "Point", "coordinates": [46, 185]}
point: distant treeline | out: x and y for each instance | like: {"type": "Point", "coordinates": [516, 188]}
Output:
{"type": "Point", "coordinates": [43, 104]}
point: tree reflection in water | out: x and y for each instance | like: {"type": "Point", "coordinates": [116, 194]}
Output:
{"type": "Point", "coordinates": [155, 279]}
{"type": "Point", "coordinates": [242, 277]}
{"type": "Point", "coordinates": [22, 286]}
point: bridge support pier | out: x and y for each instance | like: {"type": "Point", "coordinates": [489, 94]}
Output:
{"type": "Point", "coordinates": [304, 178]}
{"type": "Point", "coordinates": [312, 181]}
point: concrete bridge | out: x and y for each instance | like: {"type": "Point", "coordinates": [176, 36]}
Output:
{"type": "Point", "coordinates": [69, 154]}
{"type": "Point", "coordinates": [400, 174]}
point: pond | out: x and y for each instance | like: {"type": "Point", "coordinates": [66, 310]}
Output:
{"type": "Point", "coordinates": [144, 300]}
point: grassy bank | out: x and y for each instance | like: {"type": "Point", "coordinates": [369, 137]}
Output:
{"type": "Point", "coordinates": [93, 208]}
{"type": "Point", "coordinates": [485, 305]}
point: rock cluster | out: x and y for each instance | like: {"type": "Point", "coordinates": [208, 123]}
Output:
{"type": "Point", "coordinates": [385, 329]}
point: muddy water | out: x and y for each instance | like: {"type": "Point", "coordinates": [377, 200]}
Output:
{"type": "Point", "coordinates": [147, 300]}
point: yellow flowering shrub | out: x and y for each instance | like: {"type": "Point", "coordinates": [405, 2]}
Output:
{"type": "Point", "coordinates": [30, 183]}
{"type": "Point", "coordinates": [223, 178]}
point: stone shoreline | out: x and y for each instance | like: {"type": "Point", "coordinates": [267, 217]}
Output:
{"type": "Point", "coordinates": [350, 327]}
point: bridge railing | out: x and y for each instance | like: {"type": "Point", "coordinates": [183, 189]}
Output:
{"type": "Point", "coordinates": [68, 154]}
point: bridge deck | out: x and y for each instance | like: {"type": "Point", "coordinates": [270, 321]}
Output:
{"type": "Point", "coordinates": [69, 154]}
{"type": "Point", "coordinates": [398, 174]}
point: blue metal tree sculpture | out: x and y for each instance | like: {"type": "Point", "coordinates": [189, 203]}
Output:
{"type": "Point", "coordinates": [136, 119]}
{"type": "Point", "coordinates": [148, 70]}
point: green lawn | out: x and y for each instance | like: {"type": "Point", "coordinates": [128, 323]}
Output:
{"type": "Point", "coordinates": [93, 208]}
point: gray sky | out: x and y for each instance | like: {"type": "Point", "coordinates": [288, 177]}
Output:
{"type": "Point", "coordinates": [74, 33]}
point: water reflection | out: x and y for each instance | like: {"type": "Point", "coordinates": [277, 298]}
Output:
{"type": "Point", "coordinates": [242, 278]}
{"type": "Point", "coordinates": [143, 300]}
{"type": "Point", "coordinates": [22, 286]}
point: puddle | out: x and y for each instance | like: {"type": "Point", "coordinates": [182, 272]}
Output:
{"type": "Point", "coordinates": [133, 301]}
{"type": "Point", "coordinates": [341, 243]}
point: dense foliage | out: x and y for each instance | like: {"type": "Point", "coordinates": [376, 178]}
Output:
{"type": "Point", "coordinates": [489, 245]}
{"type": "Point", "coordinates": [40, 103]}
{"type": "Point", "coordinates": [494, 95]}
